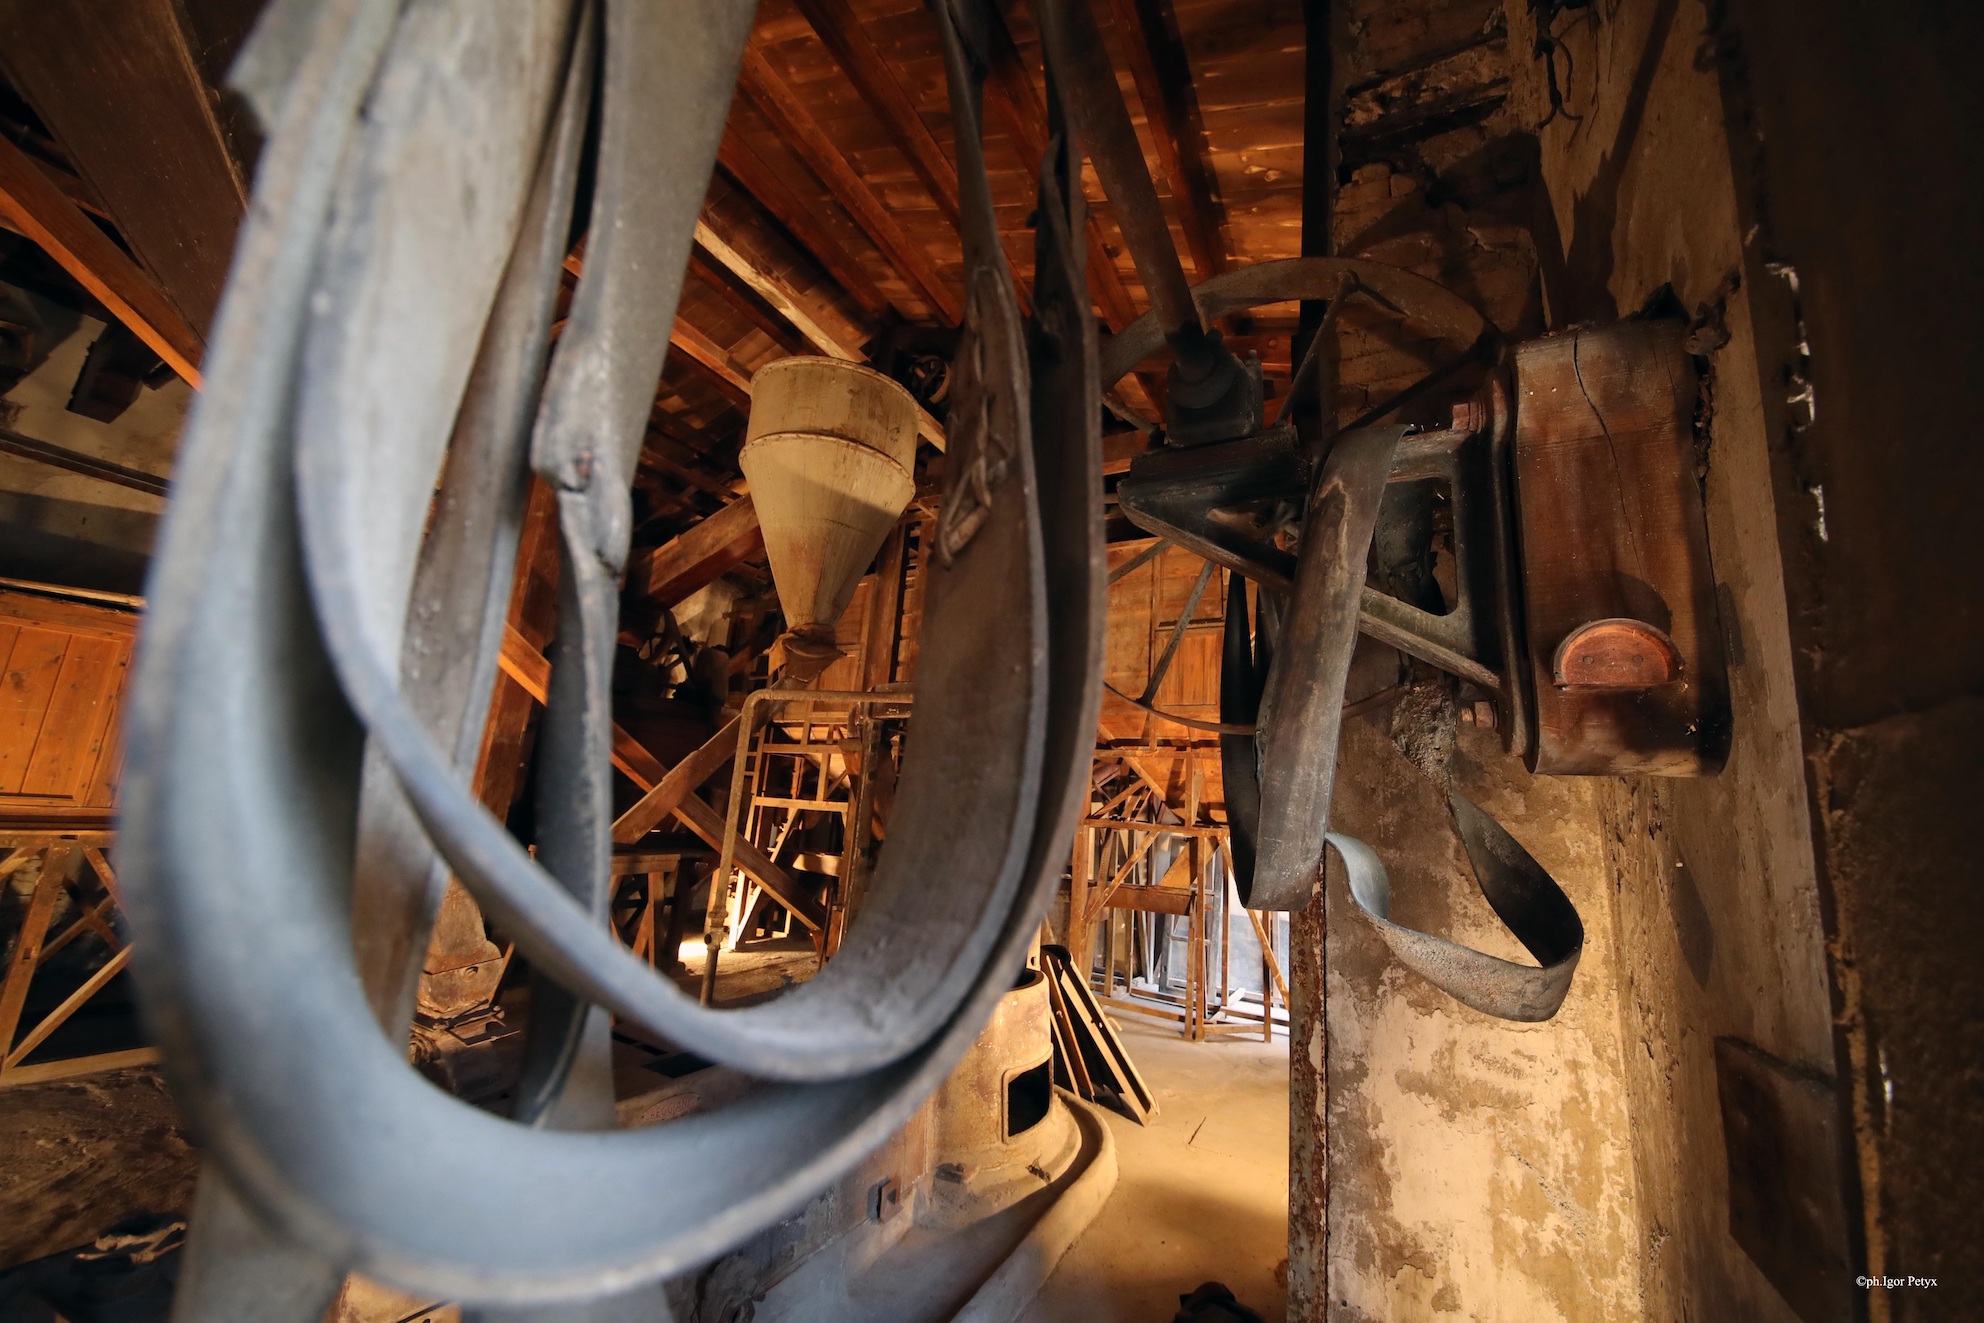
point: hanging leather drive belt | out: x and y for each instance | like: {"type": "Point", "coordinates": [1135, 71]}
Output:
{"type": "Point", "coordinates": [1285, 681]}
{"type": "Point", "coordinates": [325, 613]}
{"type": "Point", "coordinates": [1279, 782]}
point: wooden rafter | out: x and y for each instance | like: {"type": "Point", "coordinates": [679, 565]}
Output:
{"type": "Point", "coordinates": [1149, 36]}
{"type": "Point", "coordinates": [775, 99]}
{"type": "Point", "coordinates": [41, 211]}
{"type": "Point", "coordinates": [731, 377]}
{"type": "Point", "coordinates": [841, 31]}
{"type": "Point", "coordinates": [745, 301]}
{"type": "Point", "coordinates": [800, 216]}
{"type": "Point", "coordinates": [705, 552]}
{"type": "Point", "coordinates": [737, 235]}
{"type": "Point", "coordinates": [1011, 96]}
{"type": "Point", "coordinates": [120, 88]}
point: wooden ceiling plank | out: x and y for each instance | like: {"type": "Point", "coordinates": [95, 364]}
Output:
{"type": "Point", "coordinates": [120, 89]}
{"type": "Point", "coordinates": [803, 134]}
{"type": "Point", "coordinates": [1163, 76]}
{"type": "Point", "coordinates": [759, 180]}
{"type": "Point", "coordinates": [42, 212]}
{"type": "Point", "coordinates": [747, 302]}
{"type": "Point", "coordinates": [841, 31]}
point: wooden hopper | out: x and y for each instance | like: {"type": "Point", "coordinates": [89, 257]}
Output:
{"type": "Point", "coordinates": [829, 452]}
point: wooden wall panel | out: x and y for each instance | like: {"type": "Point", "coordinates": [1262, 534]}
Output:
{"type": "Point", "coordinates": [65, 665]}
{"type": "Point", "coordinates": [33, 666]}
{"type": "Point", "coordinates": [72, 734]}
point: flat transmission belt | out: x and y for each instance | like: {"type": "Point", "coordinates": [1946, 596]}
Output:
{"type": "Point", "coordinates": [1280, 781]}
{"type": "Point", "coordinates": [382, 302]}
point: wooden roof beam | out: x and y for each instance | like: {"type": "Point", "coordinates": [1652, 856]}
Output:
{"type": "Point", "coordinates": [803, 134]}
{"type": "Point", "coordinates": [120, 88]}
{"type": "Point", "coordinates": [841, 31]}
{"type": "Point", "coordinates": [747, 302]}
{"type": "Point", "coordinates": [800, 217]}
{"type": "Point", "coordinates": [1163, 76]}
{"type": "Point", "coordinates": [42, 212]}
{"type": "Point", "coordinates": [1010, 94]}
{"type": "Point", "coordinates": [733, 230]}
{"type": "Point", "coordinates": [703, 554]}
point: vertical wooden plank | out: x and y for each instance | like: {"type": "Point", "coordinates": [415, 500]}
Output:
{"type": "Point", "coordinates": [106, 759]}
{"type": "Point", "coordinates": [33, 666]}
{"type": "Point", "coordinates": [1080, 921]}
{"type": "Point", "coordinates": [1216, 879]}
{"type": "Point", "coordinates": [884, 622]}
{"type": "Point", "coordinates": [71, 733]}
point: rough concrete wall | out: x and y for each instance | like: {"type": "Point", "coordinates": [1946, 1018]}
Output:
{"type": "Point", "coordinates": [1720, 917]}
{"type": "Point", "coordinates": [1483, 1169]}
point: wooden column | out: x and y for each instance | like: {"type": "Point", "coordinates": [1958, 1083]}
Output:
{"type": "Point", "coordinates": [1081, 924]}
{"type": "Point", "coordinates": [1308, 1029]}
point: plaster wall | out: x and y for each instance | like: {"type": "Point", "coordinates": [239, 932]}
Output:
{"type": "Point", "coordinates": [67, 528]}
{"type": "Point", "coordinates": [1859, 131]}
{"type": "Point", "coordinates": [1483, 1170]}
{"type": "Point", "coordinates": [1720, 921]}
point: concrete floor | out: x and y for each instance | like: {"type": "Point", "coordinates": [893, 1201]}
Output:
{"type": "Point", "coordinates": [1201, 1193]}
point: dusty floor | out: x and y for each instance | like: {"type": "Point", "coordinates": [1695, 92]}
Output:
{"type": "Point", "coordinates": [1201, 1194]}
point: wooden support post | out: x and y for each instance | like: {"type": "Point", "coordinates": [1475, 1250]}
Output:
{"type": "Point", "coordinates": [55, 870]}
{"type": "Point", "coordinates": [1081, 919]}
{"type": "Point", "coordinates": [884, 622]}
{"type": "Point", "coordinates": [1215, 875]}
{"type": "Point", "coordinates": [1308, 1029]}
{"type": "Point", "coordinates": [1196, 927]}
{"type": "Point", "coordinates": [678, 916]}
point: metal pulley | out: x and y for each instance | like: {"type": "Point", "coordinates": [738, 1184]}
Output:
{"type": "Point", "coordinates": [1579, 611]}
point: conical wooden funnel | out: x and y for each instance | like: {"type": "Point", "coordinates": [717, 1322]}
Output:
{"type": "Point", "coordinates": [829, 452]}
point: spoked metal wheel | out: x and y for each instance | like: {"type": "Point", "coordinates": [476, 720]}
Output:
{"type": "Point", "coordinates": [1220, 490]}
